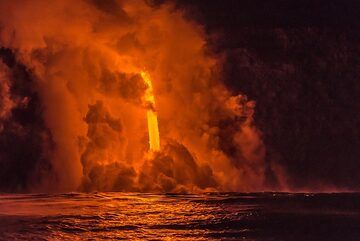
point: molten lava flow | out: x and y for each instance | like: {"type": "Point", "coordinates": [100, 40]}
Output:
{"type": "Point", "coordinates": [153, 128]}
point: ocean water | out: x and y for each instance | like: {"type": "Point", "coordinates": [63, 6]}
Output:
{"type": "Point", "coordinates": [224, 216]}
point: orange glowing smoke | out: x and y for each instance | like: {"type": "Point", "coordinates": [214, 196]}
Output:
{"type": "Point", "coordinates": [152, 120]}
{"type": "Point", "coordinates": [87, 59]}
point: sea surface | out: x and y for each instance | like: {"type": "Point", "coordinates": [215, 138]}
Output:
{"type": "Point", "coordinates": [224, 216]}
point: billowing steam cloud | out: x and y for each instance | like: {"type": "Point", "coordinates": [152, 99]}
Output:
{"type": "Point", "coordinates": [83, 60]}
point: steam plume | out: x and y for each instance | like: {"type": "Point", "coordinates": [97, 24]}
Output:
{"type": "Point", "coordinates": [86, 60]}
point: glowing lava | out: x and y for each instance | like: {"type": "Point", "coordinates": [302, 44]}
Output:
{"type": "Point", "coordinates": [153, 128]}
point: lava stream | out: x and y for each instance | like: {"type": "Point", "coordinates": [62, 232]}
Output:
{"type": "Point", "coordinates": [153, 128]}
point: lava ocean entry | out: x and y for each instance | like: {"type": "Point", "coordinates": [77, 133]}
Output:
{"type": "Point", "coordinates": [88, 74]}
{"type": "Point", "coordinates": [179, 120]}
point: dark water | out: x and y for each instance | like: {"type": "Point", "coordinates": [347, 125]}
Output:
{"type": "Point", "coordinates": [227, 216]}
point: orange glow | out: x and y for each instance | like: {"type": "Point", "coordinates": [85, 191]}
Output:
{"type": "Point", "coordinates": [88, 60]}
{"type": "Point", "coordinates": [152, 120]}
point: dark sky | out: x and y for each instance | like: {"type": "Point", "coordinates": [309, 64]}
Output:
{"type": "Point", "coordinates": [300, 61]}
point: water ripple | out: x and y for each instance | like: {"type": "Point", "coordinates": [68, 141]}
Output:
{"type": "Point", "coordinates": [215, 216]}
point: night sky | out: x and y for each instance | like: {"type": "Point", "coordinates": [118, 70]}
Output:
{"type": "Point", "coordinates": [300, 62]}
